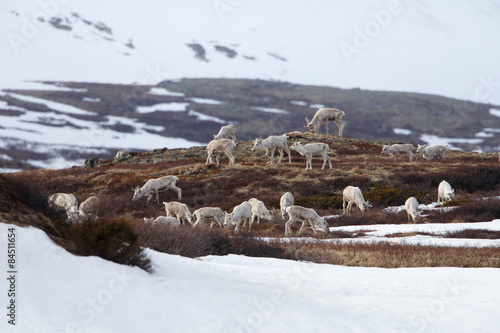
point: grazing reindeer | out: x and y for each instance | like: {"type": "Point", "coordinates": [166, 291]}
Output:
{"type": "Point", "coordinates": [310, 149]}
{"type": "Point", "coordinates": [178, 210]}
{"type": "Point", "coordinates": [66, 202]}
{"type": "Point", "coordinates": [352, 195]}
{"type": "Point", "coordinates": [214, 214]}
{"type": "Point", "coordinates": [445, 192]}
{"type": "Point", "coordinates": [218, 147]}
{"type": "Point", "coordinates": [259, 211]}
{"type": "Point", "coordinates": [153, 186]}
{"type": "Point", "coordinates": [241, 213]}
{"type": "Point", "coordinates": [165, 220]}
{"type": "Point", "coordinates": [411, 206]}
{"type": "Point", "coordinates": [397, 149]}
{"type": "Point", "coordinates": [286, 201]}
{"type": "Point", "coordinates": [323, 116]}
{"type": "Point", "coordinates": [430, 152]}
{"type": "Point", "coordinates": [272, 143]}
{"type": "Point", "coordinates": [225, 132]}
{"type": "Point", "coordinates": [304, 215]}
{"type": "Point", "coordinates": [89, 208]}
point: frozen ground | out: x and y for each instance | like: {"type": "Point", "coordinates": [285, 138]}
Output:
{"type": "Point", "coordinates": [59, 292]}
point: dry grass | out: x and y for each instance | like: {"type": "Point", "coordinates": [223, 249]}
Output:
{"type": "Point", "coordinates": [194, 242]}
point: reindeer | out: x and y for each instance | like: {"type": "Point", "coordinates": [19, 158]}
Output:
{"type": "Point", "coordinates": [323, 116]}
{"type": "Point", "coordinates": [153, 186]}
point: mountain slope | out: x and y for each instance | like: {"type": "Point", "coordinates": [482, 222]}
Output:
{"type": "Point", "coordinates": [68, 122]}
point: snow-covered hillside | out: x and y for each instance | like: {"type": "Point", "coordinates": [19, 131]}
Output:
{"type": "Point", "coordinates": [59, 292]}
{"type": "Point", "coordinates": [435, 47]}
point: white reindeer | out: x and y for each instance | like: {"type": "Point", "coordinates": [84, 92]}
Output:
{"type": "Point", "coordinates": [445, 192]}
{"type": "Point", "coordinates": [225, 132]}
{"type": "Point", "coordinates": [66, 202]}
{"type": "Point", "coordinates": [304, 215]}
{"type": "Point", "coordinates": [259, 211]}
{"type": "Point", "coordinates": [241, 213]}
{"type": "Point", "coordinates": [179, 211]}
{"type": "Point", "coordinates": [397, 149]}
{"type": "Point", "coordinates": [89, 208]}
{"type": "Point", "coordinates": [165, 220]}
{"type": "Point", "coordinates": [272, 143]}
{"type": "Point", "coordinates": [286, 201]}
{"type": "Point", "coordinates": [323, 116]}
{"type": "Point", "coordinates": [352, 194]}
{"type": "Point", "coordinates": [310, 149]}
{"type": "Point", "coordinates": [218, 147]}
{"type": "Point", "coordinates": [430, 152]}
{"type": "Point", "coordinates": [411, 206]}
{"type": "Point", "coordinates": [154, 186]}
{"type": "Point", "coordinates": [213, 214]}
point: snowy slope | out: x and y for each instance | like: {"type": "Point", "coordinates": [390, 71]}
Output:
{"type": "Point", "coordinates": [60, 292]}
{"type": "Point", "coordinates": [427, 46]}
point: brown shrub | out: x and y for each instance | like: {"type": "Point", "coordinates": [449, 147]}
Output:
{"type": "Point", "coordinates": [474, 234]}
{"type": "Point", "coordinates": [481, 210]}
{"type": "Point", "coordinates": [110, 239]}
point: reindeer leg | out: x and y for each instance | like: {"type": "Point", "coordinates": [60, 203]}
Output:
{"type": "Point", "coordinates": [281, 155]}
{"type": "Point", "coordinates": [324, 163]}
{"type": "Point", "coordinates": [340, 125]}
{"type": "Point", "coordinates": [289, 155]}
{"type": "Point", "coordinates": [302, 226]}
{"type": "Point", "coordinates": [288, 226]}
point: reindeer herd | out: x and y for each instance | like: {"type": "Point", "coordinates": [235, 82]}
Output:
{"type": "Point", "coordinates": [253, 210]}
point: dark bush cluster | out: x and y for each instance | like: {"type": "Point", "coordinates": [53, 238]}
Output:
{"type": "Point", "coordinates": [110, 239]}
{"type": "Point", "coordinates": [480, 210]}
{"type": "Point", "coordinates": [385, 195]}
{"type": "Point", "coordinates": [202, 241]}
{"type": "Point", "coordinates": [474, 234]}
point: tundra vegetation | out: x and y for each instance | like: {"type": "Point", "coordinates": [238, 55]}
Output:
{"type": "Point", "coordinates": [383, 182]}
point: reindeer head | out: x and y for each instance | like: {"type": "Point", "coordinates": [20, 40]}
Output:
{"type": "Point", "coordinates": [295, 145]}
{"type": "Point", "coordinates": [313, 127]}
{"type": "Point", "coordinates": [228, 219]}
{"type": "Point", "coordinates": [137, 193]}
{"type": "Point", "coordinates": [366, 205]}
{"type": "Point", "coordinates": [420, 148]}
{"type": "Point", "coordinates": [257, 143]}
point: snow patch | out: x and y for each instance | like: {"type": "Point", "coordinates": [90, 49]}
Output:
{"type": "Point", "coordinates": [205, 101]}
{"type": "Point", "coordinates": [169, 107]}
{"type": "Point", "coordinates": [164, 92]}
{"type": "Point", "coordinates": [402, 131]}
{"type": "Point", "coordinates": [270, 110]}
{"type": "Point", "coordinates": [301, 103]}
{"type": "Point", "coordinates": [91, 100]}
{"type": "Point", "coordinates": [204, 117]}
{"type": "Point", "coordinates": [495, 112]}
{"type": "Point", "coordinates": [60, 107]}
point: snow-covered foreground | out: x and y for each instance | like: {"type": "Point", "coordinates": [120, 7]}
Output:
{"type": "Point", "coordinates": [59, 292]}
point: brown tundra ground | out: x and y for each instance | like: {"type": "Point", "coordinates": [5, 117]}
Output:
{"type": "Point", "coordinates": [384, 182]}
